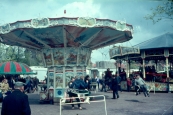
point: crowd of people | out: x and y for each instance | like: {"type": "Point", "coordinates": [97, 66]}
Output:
{"type": "Point", "coordinates": [7, 83]}
{"type": "Point", "coordinates": [108, 81]}
{"type": "Point", "coordinates": [112, 82]}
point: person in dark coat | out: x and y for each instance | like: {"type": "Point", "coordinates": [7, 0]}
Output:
{"type": "Point", "coordinates": [77, 84]}
{"type": "Point", "coordinates": [102, 81]}
{"type": "Point", "coordinates": [108, 76]}
{"type": "Point", "coordinates": [88, 82]}
{"type": "Point", "coordinates": [119, 81]}
{"type": "Point", "coordinates": [16, 103]}
{"type": "Point", "coordinates": [129, 84]}
{"type": "Point", "coordinates": [114, 87]}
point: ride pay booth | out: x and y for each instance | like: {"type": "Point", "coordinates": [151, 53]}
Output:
{"type": "Point", "coordinates": [57, 82]}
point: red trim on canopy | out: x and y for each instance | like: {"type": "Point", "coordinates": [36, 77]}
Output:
{"type": "Point", "coordinates": [26, 68]}
{"type": "Point", "coordinates": [18, 67]}
{"type": "Point", "coordinates": [7, 67]}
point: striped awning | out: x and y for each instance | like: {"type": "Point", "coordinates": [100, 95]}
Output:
{"type": "Point", "coordinates": [14, 68]}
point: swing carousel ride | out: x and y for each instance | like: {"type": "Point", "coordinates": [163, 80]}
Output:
{"type": "Point", "coordinates": [158, 50]}
{"type": "Point", "coordinates": [65, 43]}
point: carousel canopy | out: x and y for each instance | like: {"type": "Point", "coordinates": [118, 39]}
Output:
{"type": "Point", "coordinates": [153, 49]}
{"type": "Point", "coordinates": [163, 41]}
{"type": "Point", "coordinates": [14, 68]}
{"type": "Point", "coordinates": [47, 33]}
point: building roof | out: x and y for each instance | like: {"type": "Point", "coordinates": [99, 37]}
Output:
{"type": "Point", "coordinates": [163, 41]}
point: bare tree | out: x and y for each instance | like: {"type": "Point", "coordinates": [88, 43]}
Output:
{"type": "Point", "coordinates": [161, 12]}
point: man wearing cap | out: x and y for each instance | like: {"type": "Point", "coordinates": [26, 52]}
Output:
{"type": "Point", "coordinates": [16, 103]}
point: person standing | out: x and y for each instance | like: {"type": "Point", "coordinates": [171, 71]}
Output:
{"type": "Point", "coordinates": [28, 84]}
{"type": "Point", "coordinates": [114, 87]}
{"type": "Point", "coordinates": [16, 103]}
{"type": "Point", "coordinates": [108, 76]}
{"type": "Point", "coordinates": [94, 82]}
{"type": "Point", "coordinates": [45, 79]}
{"type": "Point", "coordinates": [98, 82]}
{"type": "Point", "coordinates": [13, 83]}
{"type": "Point", "coordinates": [5, 86]}
{"type": "Point", "coordinates": [88, 82]}
{"type": "Point", "coordinates": [102, 81]}
{"type": "Point", "coordinates": [35, 84]}
{"type": "Point", "coordinates": [119, 82]}
{"type": "Point", "coordinates": [129, 84]}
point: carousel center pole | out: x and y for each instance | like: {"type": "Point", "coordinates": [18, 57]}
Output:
{"type": "Point", "coordinates": [167, 72]}
{"type": "Point", "coordinates": [127, 67]}
{"type": "Point", "coordinates": [166, 54]}
{"type": "Point", "coordinates": [143, 63]}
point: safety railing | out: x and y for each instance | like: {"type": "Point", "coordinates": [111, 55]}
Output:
{"type": "Point", "coordinates": [85, 101]}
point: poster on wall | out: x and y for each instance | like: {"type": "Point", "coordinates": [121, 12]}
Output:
{"type": "Point", "coordinates": [58, 56]}
{"type": "Point", "coordinates": [51, 79]}
{"type": "Point", "coordinates": [59, 80]}
{"type": "Point", "coordinates": [59, 77]}
{"type": "Point", "coordinates": [48, 57]}
{"type": "Point", "coordinates": [71, 56]}
{"type": "Point", "coordinates": [82, 56]}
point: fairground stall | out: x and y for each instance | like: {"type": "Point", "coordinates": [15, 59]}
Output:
{"type": "Point", "coordinates": [155, 54]}
{"type": "Point", "coordinates": [13, 70]}
{"type": "Point", "coordinates": [66, 43]}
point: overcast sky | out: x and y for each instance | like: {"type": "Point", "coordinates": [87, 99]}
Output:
{"type": "Point", "coordinates": [131, 11]}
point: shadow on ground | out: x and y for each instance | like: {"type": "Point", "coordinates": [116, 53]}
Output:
{"type": "Point", "coordinates": [135, 101]}
{"type": "Point", "coordinates": [70, 108]}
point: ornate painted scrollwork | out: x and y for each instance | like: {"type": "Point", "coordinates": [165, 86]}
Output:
{"type": "Point", "coordinates": [27, 24]}
{"type": "Point", "coordinates": [120, 25]}
{"type": "Point", "coordinates": [81, 22]}
{"type": "Point", "coordinates": [40, 23]}
{"type": "Point", "coordinates": [86, 22]}
{"type": "Point", "coordinates": [5, 29]}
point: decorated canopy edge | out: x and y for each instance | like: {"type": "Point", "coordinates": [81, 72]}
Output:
{"type": "Point", "coordinates": [79, 21]}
